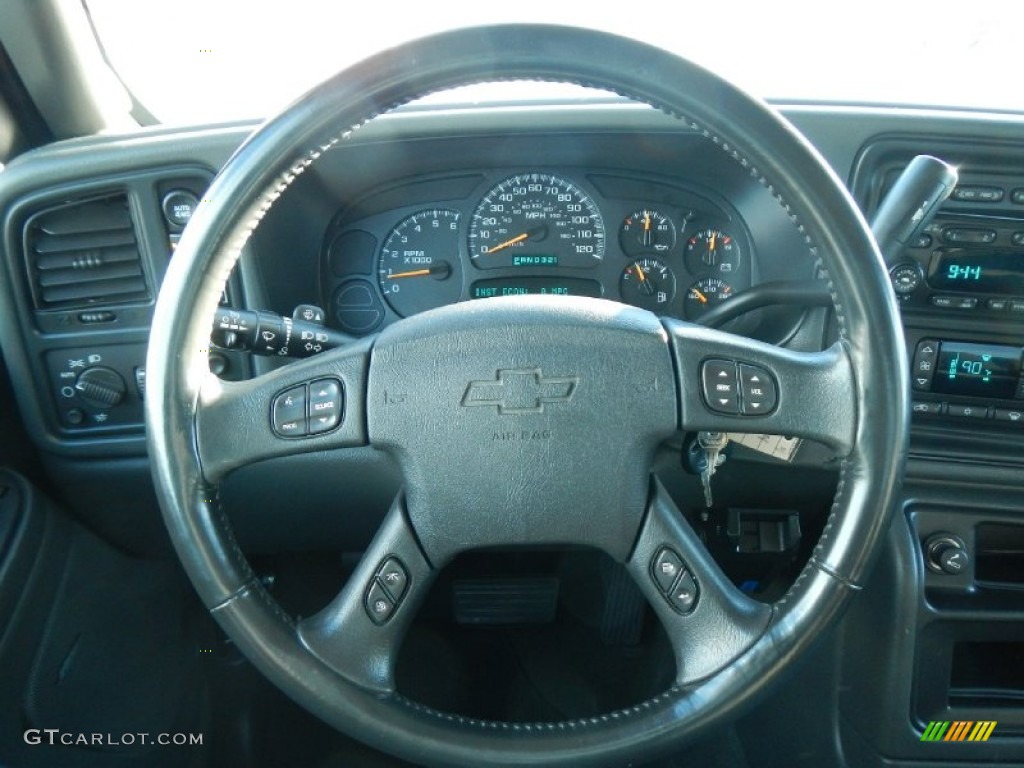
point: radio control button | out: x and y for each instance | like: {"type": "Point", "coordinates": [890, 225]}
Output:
{"type": "Point", "coordinates": [978, 193]}
{"type": "Point", "coordinates": [759, 392]}
{"type": "Point", "coordinates": [967, 411]}
{"type": "Point", "coordinates": [998, 305]}
{"type": "Point", "coordinates": [954, 302]}
{"type": "Point", "coordinates": [289, 413]}
{"type": "Point", "coordinates": [1017, 238]}
{"type": "Point", "coordinates": [1020, 390]}
{"type": "Point", "coordinates": [1017, 305]}
{"type": "Point", "coordinates": [965, 235]}
{"type": "Point", "coordinates": [719, 386]}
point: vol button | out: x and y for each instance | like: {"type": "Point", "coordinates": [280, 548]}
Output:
{"type": "Point", "coordinates": [760, 394]}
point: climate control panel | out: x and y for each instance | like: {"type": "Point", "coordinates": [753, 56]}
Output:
{"type": "Point", "coordinates": [968, 380]}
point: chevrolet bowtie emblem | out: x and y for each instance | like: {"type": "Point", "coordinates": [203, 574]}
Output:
{"type": "Point", "coordinates": [520, 391]}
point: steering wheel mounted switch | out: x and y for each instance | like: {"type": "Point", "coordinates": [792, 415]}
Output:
{"type": "Point", "coordinates": [674, 581]}
{"type": "Point", "coordinates": [386, 590]}
{"type": "Point", "coordinates": [738, 388]}
{"type": "Point", "coordinates": [307, 409]}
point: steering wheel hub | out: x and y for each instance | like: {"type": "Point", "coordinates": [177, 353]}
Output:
{"type": "Point", "coordinates": [495, 409]}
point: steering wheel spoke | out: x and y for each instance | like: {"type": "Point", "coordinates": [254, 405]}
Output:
{"type": "Point", "coordinates": [359, 633]}
{"type": "Point", "coordinates": [312, 405]}
{"type": "Point", "coordinates": [730, 383]}
{"type": "Point", "coordinates": [709, 622]}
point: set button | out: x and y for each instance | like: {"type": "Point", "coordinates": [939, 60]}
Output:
{"type": "Point", "coordinates": [674, 580]}
{"type": "Point", "coordinates": [308, 409]}
{"type": "Point", "coordinates": [387, 590]}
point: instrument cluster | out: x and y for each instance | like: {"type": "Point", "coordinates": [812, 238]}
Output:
{"type": "Point", "coordinates": [654, 243]}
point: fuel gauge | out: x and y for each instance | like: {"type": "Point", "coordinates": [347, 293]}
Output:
{"type": "Point", "coordinates": [649, 284]}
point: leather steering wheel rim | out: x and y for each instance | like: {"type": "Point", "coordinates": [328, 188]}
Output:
{"type": "Point", "coordinates": [752, 134]}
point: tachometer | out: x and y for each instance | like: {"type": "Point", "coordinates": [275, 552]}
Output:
{"type": "Point", "coordinates": [419, 266]}
{"type": "Point", "coordinates": [536, 220]}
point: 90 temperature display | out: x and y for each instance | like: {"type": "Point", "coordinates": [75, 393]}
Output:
{"type": "Point", "coordinates": [977, 370]}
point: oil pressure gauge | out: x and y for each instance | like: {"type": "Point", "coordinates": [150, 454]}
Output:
{"type": "Point", "coordinates": [647, 230]}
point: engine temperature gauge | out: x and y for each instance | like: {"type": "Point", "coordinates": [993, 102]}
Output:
{"type": "Point", "coordinates": [705, 295]}
{"type": "Point", "coordinates": [649, 284]}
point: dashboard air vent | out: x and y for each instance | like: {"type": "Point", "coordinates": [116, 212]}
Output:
{"type": "Point", "coordinates": [84, 253]}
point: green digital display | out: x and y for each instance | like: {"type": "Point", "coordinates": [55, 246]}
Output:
{"type": "Point", "coordinates": [535, 261]}
{"type": "Point", "coordinates": [535, 286]}
{"type": "Point", "coordinates": [960, 269]}
{"type": "Point", "coordinates": [977, 370]}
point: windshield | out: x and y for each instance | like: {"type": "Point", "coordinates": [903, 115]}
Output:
{"type": "Point", "coordinates": [214, 60]}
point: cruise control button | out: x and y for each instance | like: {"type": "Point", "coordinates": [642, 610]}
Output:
{"type": "Point", "coordinates": [684, 596]}
{"type": "Point", "coordinates": [665, 568]}
{"type": "Point", "coordinates": [758, 390]}
{"type": "Point", "coordinates": [718, 383]}
{"type": "Point", "coordinates": [394, 578]}
{"type": "Point", "coordinates": [289, 412]}
{"type": "Point", "coordinates": [379, 606]}
{"type": "Point", "coordinates": [325, 404]}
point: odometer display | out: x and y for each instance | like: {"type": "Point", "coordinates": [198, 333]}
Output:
{"type": "Point", "coordinates": [536, 220]}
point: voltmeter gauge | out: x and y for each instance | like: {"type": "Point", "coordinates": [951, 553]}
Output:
{"type": "Point", "coordinates": [714, 251]}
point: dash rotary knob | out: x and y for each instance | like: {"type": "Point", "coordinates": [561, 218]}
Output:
{"type": "Point", "coordinates": [101, 387]}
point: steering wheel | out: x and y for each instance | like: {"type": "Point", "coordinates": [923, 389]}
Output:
{"type": "Point", "coordinates": [528, 421]}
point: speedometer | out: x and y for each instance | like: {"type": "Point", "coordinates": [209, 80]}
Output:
{"type": "Point", "coordinates": [536, 220]}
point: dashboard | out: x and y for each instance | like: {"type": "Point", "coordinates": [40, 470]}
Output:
{"type": "Point", "coordinates": [428, 207]}
{"type": "Point", "coordinates": [654, 242]}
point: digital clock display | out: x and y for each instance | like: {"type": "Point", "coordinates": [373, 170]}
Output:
{"type": "Point", "coordinates": [525, 286]}
{"type": "Point", "coordinates": [977, 370]}
{"type": "Point", "coordinates": [968, 270]}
